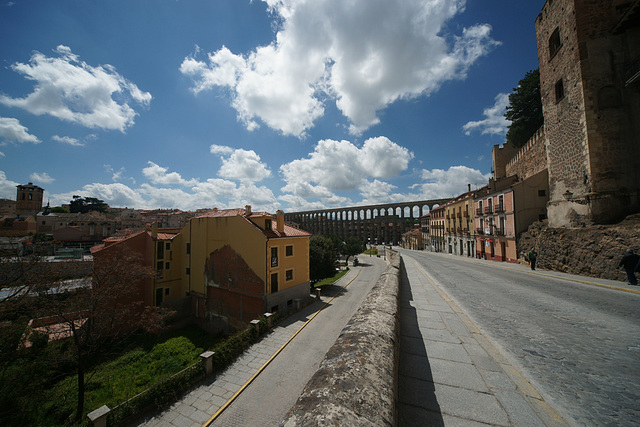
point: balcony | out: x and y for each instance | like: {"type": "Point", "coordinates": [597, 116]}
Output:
{"type": "Point", "coordinates": [480, 231]}
{"type": "Point", "coordinates": [499, 208]}
{"type": "Point", "coordinates": [479, 212]}
{"type": "Point", "coordinates": [498, 231]}
{"type": "Point", "coordinates": [458, 214]}
{"type": "Point", "coordinates": [488, 210]}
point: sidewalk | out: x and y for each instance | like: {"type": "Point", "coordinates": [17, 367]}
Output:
{"type": "Point", "coordinates": [197, 407]}
{"type": "Point", "coordinates": [450, 374]}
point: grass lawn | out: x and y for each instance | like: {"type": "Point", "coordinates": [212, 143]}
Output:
{"type": "Point", "coordinates": [331, 280]}
{"type": "Point", "coordinates": [120, 377]}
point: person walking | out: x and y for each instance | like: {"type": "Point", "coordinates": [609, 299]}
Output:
{"type": "Point", "coordinates": [630, 262]}
{"type": "Point", "coordinates": [532, 256]}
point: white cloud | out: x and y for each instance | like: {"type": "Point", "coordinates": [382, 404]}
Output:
{"type": "Point", "coordinates": [450, 183]}
{"type": "Point", "coordinates": [68, 140]}
{"type": "Point", "coordinates": [376, 192]}
{"type": "Point", "coordinates": [158, 175]}
{"type": "Point", "coordinates": [7, 187]}
{"type": "Point", "coordinates": [340, 165]}
{"type": "Point", "coordinates": [12, 131]}
{"type": "Point", "coordinates": [494, 123]}
{"type": "Point", "coordinates": [74, 91]}
{"type": "Point", "coordinates": [241, 165]}
{"type": "Point", "coordinates": [43, 178]}
{"type": "Point", "coordinates": [362, 54]}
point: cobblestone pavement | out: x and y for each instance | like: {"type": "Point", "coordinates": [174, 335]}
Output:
{"type": "Point", "coordinates": [577, 339]}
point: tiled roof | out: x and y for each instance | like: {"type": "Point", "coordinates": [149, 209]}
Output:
{"type": "Point", "coordinates": [231, 212]}
{"type": "Point", "coordinates": [288, 232]}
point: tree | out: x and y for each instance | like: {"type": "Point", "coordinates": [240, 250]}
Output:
{"type": "Point", "coordinates": [525, 109]}
{"type": "Point", "coordinates": [322, 257]}
{"type": "Point", "coordinates": [87, 204]}
{"type": "Point", "coordinates": [109, 312]}
{"type": "Point", "coordinates": [352, 246]}
{"type": "Point", "coordinates": [59, 209]}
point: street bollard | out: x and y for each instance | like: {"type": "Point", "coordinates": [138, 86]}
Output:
{"type": "Point", "coordinates": [318, 294]}
{"type": "Point", "coordinates": [99, 416]}
{"type": "Point", "coordinates": [267, 316]}
{"type": "Point", "coordinates": [256, 325]}
{"type": "Point", "coordinates": [207, 359]}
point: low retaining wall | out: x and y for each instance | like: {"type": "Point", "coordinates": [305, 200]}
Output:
{"type": "Point", "coordinates": [356, 382]}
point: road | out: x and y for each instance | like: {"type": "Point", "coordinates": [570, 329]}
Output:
{"type": "Point", "coordinates": [578, 343]}
{"type": "Point", "coordinates": [269, 397]}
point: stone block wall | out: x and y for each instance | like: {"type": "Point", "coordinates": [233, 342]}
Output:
{"type": "Point", "coordinates": [356, 382]}
{"type": "Point", "coordinates": [531, 159]}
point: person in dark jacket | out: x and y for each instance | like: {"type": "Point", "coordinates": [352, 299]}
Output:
{"type": "Point", "coordinates": [630, 262]}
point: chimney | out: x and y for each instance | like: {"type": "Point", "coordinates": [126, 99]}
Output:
{"type": "Point", "coordinates": [154, 230]}
{"type": "Point", "coordinates": [247, 210]}
{"type": "Point", "coordinates": [215, 209]}
{"type": "Point", "coordinates": [280, 221]}
{"type": "Point", "coordinates": [469, 186]}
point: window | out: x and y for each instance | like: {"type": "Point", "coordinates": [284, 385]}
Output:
{"type": "Point", "coordinates": [288, 250]}
{"type": "Point", "coordinates": [267, 224]}
{"type": "Point", "coordinates": [160, 247]}
{"type": "Point", "coordinates": [168, 246]}
{"type": "Point", "coordinates": [274, 283]}
{"type": "Point", "coordinates": [167, 266]}
{"type": "Point", "coordinates": [542, 193]}
{"type": "Point", "coordinates": [166, 291]}
{"type": "Point", "coordinates": [554, 43]}
{"type": "Point", "coordinates": [289, 275]}
{"type": "Point", "coordinates": [188, 272]}
{"type": "Point", "coordinates": [159, 266]}
{"type": "Point", "coordinates": [274, 257]}
{"type": "Point", "coordinates": [559, 91]}
{"type": "Point", "coordinates": [188, 248]}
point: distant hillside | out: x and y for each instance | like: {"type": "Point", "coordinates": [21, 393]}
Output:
{"type": "Point", "coordinates": [589, 251]}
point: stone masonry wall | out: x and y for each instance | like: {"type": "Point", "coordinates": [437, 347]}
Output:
{"type": "Point", "coordinates": [531, 159]}
{"type": "Point", "coordinates": [355, 384]}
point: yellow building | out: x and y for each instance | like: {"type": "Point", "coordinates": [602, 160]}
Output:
{"type": "Point", "coordinates": [460, 232]}
{"type": "Point", "coordinates": [228, 267]}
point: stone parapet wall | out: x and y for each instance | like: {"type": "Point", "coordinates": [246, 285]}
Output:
{"type": "Point", "coordinates": [355, 384]}
{"type": "Point", "coordinates": [531, 159]}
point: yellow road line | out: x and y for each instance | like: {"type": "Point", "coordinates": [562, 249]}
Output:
{"type": "Point", "coordinates": [250, 380]}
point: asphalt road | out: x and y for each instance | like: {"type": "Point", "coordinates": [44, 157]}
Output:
{"type": "Point", "coordinates": [577, 343]}
{"type": "Point", "coordinates": [269, 397]}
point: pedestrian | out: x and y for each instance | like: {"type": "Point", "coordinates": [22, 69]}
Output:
{"type": "Point", "coordinates": [532, 256]}
{"type": "Point", "coordinates": [630, 262]}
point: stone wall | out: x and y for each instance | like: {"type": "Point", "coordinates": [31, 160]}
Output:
{"type": "Point", "coordinates": [356, 382]}
{"type": "Point", "coordinates": [593, 251]}
{"type": "Point", "coordinates": [531, 159]}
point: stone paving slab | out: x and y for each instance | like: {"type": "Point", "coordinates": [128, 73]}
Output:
{"type": "Point", "coordinates": [450, 374]}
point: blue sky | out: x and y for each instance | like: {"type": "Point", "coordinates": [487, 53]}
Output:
{"type": "Point", "coordinates": [280, 104]}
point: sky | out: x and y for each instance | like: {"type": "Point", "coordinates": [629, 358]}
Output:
{"type": "Point", "coordinates": [278, 104]}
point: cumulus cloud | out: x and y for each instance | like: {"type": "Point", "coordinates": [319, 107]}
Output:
{"type": "Point", "coordinates": [12, 131]}
{"type": "Point", "coordinates": [240, 165]}
{"type": "Point", "coordinates": [7, 187]}
{"type": "Point", "coordinates": [68, 140]}
{"type": "Point", "coordinates": [158, 175]}
{"type": "Point", "coordinates": [440, 183]}
{"type": "Point", "coordinates": [43, 178]}
{"type": "Point", "coordinates": [74, 91]}
{"type": "Point", "coordinates": [362, 54]}
{"type": "Point", "coordinates": [340, 165]}
{"type": "Point", "coordinates": [494, 122]}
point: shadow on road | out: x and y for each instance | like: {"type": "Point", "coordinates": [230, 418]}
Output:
{"type": "Point", "coordinates": [417, 402]}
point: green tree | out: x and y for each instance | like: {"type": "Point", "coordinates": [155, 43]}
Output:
{"type": "Point", "coordinates": [59, 209]}
{"type": "Point", "coordinates": [524, 109]}
{"type": "Point", "coordinates": [352, 246]}
{"type": "Point", "coordinates": [322, 257]}
{"type": "Point", "coordinates": [87, 204]}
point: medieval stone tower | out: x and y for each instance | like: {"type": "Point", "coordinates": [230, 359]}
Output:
{"type": "Point", "coordinates": [29, 200]}
{"type": "Point", "coordinates": [589, 58]}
